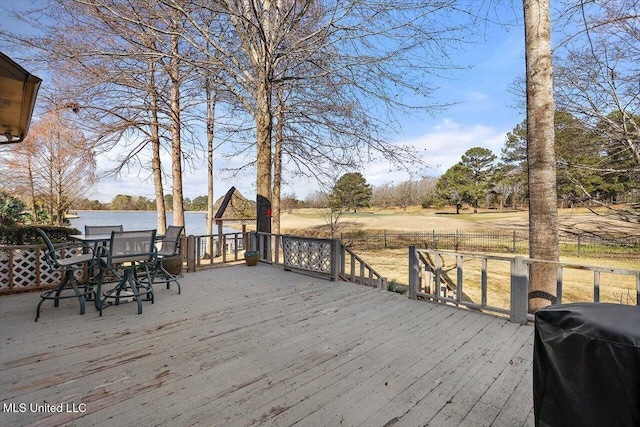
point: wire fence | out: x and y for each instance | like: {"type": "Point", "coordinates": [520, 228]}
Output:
{"type": "Point", "coordinates": [514, 242]}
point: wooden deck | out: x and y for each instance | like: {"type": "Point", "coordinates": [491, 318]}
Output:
{"type": "Point", "coordinates": [259, 346]}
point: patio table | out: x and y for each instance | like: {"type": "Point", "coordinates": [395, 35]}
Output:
{"type": "Point", "coordinates": [91, 238]}
{"type": "Point", "coordinates": [127, 253]}
{"type": "Point", "coordinates": [88, 240]}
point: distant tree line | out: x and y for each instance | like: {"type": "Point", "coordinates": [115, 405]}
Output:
{"type": "Point", "coordinates": [124, 202]}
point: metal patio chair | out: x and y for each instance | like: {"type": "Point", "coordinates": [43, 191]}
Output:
{"type": "Point", "coordinates": [169, 248]}
{"type": "Point", "coordinates": [94, 230]}
{"type": "Point", "coordinates": [129, 254]}
{"type": "Point", "coordinates": [68, 257]}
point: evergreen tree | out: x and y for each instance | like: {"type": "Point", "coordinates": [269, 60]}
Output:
{"type": "Point", "coordinates": [479, 161]}
{"type": "Point", "coordinates": [455, 187]}
{"type": "Point", "coordinates": [350, 192]}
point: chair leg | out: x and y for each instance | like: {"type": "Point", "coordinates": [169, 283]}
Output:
{"type": "Point", "coordinates": [79, 294]}
{"type": "Point", "coordinates": [129, 281]}
{"type": "Point", "coordinates": [134, 288]}
{"type": "Point", "coordinates": [166, 277]}
{"type": "Point", "coordinates": [147, 282]}
{"type": "Point", "coordinates": [38, 309]}
{"type": "Point", "coordinates": [59, 288]}
{"type": "Point", "coordinates": [170, 278]}
{"type": "Point", "coordinates": [68, 278]}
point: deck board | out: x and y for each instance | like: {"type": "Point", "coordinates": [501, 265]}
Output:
{"type": "Point", "coordinates": [260, 346]}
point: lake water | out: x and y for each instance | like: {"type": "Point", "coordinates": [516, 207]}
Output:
{"type": "Point", "coordinates": [195, 222]}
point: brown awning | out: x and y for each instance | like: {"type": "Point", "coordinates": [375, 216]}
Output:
{"type": "Point", "coordinates": [18, 91]}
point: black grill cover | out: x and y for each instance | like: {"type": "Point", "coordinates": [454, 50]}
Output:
{"type": "Point", "coordinates": [586, 365]}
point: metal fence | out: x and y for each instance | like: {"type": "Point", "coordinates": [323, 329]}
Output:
{"type": "Point", "coordinates": [514, 242]}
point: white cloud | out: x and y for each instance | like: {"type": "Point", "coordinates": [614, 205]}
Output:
{"type": "Point", "coordinates": [449, 140]}
{"type": "Point", "coordinates": [441, 148]}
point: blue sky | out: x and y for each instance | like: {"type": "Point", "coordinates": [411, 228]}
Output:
{"type": "Point", "coordinates": [483, 113]}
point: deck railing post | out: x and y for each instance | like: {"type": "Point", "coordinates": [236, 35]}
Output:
{"type": "Point", "coordinates": [336, 261]}
{"type": "Point", "coordinates": [278, 244]}
{"type": "Point", "coordinates": [191, 253]}
{"type": "Point", "coordinates": [251, 241]}
{"type": "Point", "coordinates": [519, 290]}
{"type": "Point", "coordinates": [414, 273]}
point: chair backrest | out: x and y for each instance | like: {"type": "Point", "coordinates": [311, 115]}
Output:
{"type": "Point", "coordinates": [51, 257]}
{"type": "Point", "coordinates": [101, 229]}
{"type": "Point", "coordinates": [170, 243]}
{"type": "Point", "coordinates": [129, 246]}
{"type": "Point", "coordinates": [54, 254]}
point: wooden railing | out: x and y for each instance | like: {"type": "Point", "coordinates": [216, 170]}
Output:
{"type": "Point", "coordinates": [326, 257]}
{"type": "Point", "coordinates": [355, 270]}
{"type": "Point", "coordinates": [205, 251]}
{"type": "Point", "coordinates": [430, 279]}
{"type": "Point", "coordinates": [24, 268]}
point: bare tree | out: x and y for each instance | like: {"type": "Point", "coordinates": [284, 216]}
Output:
{"type": "Point", "coordinates": [57, 165]}
{"type": "Point", "coordinates": [543, 211]}
{"type": "Point", "coordinates": [123, 68]}
{"type": "Point", "coordinates": [21, 176]}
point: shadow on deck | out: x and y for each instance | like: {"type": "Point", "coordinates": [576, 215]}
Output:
{"type": "Point", "coordinates": [250, 346]}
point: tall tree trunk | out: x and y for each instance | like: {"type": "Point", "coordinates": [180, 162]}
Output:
{"type": "Point", "coordinates": [263, 173]}
{"type": "Point", "coordinates": [277, 163]}
{"type": "Point", "coordinates": [211, 109]}
{"type": "Point", "coordinates": [156, 166]}
{"type": "Point", "coordinates": [32, 188]}
{"type": "Point", "coordinates": [176, 149]}
{"type": "Point", "coordinates": [543, 210]}
{"type": "Point", "coordinates": [58, 182]}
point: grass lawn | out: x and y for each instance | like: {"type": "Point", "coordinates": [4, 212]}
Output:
{"type": "Point", "coordinates": [605, 223]}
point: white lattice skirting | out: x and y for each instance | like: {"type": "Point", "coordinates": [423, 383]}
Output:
{"type": "Point", "coordinates": [25, 267]}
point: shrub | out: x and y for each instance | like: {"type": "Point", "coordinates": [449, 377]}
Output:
{"type": "Point", "coordinates": [14, 235]}
{"type": "Point", "coordinates": [11, 209]}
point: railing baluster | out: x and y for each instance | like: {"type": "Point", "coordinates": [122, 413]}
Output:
{"type": "Point", "coordinates": [484, 282]}
{"type": "Point", "coordinates": [353, 268]}
{"type": "Point", "coordinates": [559, 274]}
{"type": "Point", "coordinates": [459, 268]}
{"type": "Point", "coordinates": [438, 274]}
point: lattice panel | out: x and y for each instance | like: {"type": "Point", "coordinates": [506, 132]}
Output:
{"type": "Point", "coordinates": [307, 255]}
{"type": "Point", "coordinates": [4, 269]}
{"type": "Point", "coordinates": [22, 268]}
